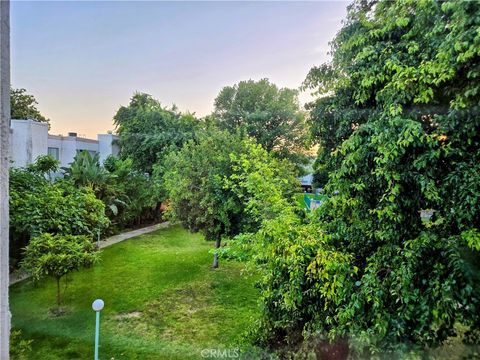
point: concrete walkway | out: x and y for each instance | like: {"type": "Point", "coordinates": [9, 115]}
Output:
{"type": "Point", "coordinates": [130, 234]}
{"type": "Point", "coordinates": [17, 276]}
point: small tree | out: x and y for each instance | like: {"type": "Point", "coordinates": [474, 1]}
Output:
{"type": "Point", "coordinates": [58, 255]}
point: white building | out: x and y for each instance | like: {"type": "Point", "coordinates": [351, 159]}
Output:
{"type": "Point", "coordinates": [29, 139]}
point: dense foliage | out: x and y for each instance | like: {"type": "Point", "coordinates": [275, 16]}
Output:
{"type": "Point", "coordinates": [134, 198]}
{"type": "Point", "coordinates": [415, 59]}
{"type": "Point", "coordinates": [130, 196]}
{"type": "Point", "coordinates": [270, 115]}
{"type": "Point", "coordinates": [24, 106]}
{"type": "Point", "coordinates": [91, 199]}
{"type": "Point", "coordinates": [148, 131]}
{"type": "Point", "coordinates": [20, 349]}
{"type": "Point", "coordinates": [38, 205]}
{"type": "Point", "coordinates": [209, 184]}
{"type": "Point", "coordinates": [57, 255]}
{"type": "Point", "coordinates": [398, 122]}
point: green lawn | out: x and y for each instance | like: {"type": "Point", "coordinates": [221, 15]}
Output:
{"type": "Point", "coordinates": [301, 200]}
{"type": "Point", "coordinates": [162, 301]}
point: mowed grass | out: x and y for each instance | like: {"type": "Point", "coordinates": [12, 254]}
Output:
{"type": "Point", "coordinates": [300, 197]}
{"type": "Point", "coordinates": [162, 301]}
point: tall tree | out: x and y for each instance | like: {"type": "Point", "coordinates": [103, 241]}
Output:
{"type": "Point", "coordinates": [263, 111]}
{"type": "Point", "coordinates": [148, 131]}
{"type": "Point", "coordinates": [24, 106]}
{"type": "Point", "coordinates": [207, 184]}
{"type": "Point", "coordinates": [4, 164]}
{"type": "Point", "coordinates": [194, 180]}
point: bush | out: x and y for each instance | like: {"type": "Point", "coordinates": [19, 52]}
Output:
{"type": "Point", "coordinates": [20, 349]}
{"type": "Point", "coordinates": [39, 206]}
{"type": "Point", "coordinates": [130, 197]}
{"type": "Point", "coordinates": [134, 195]}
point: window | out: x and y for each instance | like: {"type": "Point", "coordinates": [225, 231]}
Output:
{"type": "Point", "coordinates": [54, 152]}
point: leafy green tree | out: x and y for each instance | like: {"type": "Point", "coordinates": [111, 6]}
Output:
{"type": "Point", "coordinates": [57, 256]}
{"type": "Point", "coordinates": [263, 111]}
{"type": "Point", "coordinates": [24, 106]}
{"type": "Point", "coordinates": [194, 180]}
{"type": "Point", "coordinates": [397, 116]}
{"type": "Point", "coordinates": [148, 131]}
{"type": "Point", "coordinates": [206, 183]}
{"type": "Point", "coordinates": [404, 58]}
{"type": "Point", "coordinates": [264, 184]}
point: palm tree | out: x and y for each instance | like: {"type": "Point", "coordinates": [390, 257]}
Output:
{"type": "Point", "coordinates": [85, 170]}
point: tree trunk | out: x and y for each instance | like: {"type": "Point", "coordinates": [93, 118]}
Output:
{"type": "Point", "coordinates": [58, 292]}
{"type": "Point", "coordinates": [4, 163]}
{"type": "Point", "coordinates": [215, 256]}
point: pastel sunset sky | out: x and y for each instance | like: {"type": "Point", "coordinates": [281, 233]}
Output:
{"type": "Point", "coordinates": [83, 60]}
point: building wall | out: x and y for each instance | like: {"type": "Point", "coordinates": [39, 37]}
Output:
{"type": "Point", "coordinates": [69, 146]}
{"type": "Point", "coordinates": [30, 139]}
{"type": "Point", "coordinates": [106, 146]}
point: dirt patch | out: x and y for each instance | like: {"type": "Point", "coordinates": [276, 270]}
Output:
{"type": "Point", "coordinates": [59, 311]}
{"type": "Point", "coordinates": [130, 315]}
{"type": "Point", "coordinates": [179, 304]}
{"type": "Point", "coordinates": [178, 314]}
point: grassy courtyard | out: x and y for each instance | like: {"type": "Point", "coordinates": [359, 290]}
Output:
{"type": "Point", "coordinates": [162, 301]}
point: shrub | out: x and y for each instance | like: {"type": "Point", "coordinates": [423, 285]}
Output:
{"type": "Point", "coordinates": [20, 349]}
{"type": "Point", "coordinates": [134, 195]}
{"type": "Point", "coordinates": [38, 205]}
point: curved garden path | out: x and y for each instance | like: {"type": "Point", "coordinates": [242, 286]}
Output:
{"type": "Point", "coordinates": [19, 276]}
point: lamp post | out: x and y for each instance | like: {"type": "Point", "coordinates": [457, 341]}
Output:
{"type": "Point", "coordinates": [97, 306]}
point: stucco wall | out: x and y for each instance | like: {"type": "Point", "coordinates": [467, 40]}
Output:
{"type": "Point", "coordinates": [106, 146]}
{"type": "Point", "coordinates": [28, 141]}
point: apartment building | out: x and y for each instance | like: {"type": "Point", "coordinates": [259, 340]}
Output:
{"type": "Point", "coordinates": [29, 139]}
